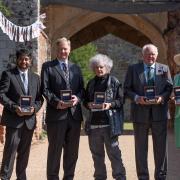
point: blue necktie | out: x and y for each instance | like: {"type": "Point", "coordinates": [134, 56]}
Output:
{"type": "Point", "coordinates": [64, 66]}
{"type": "Point", "coordinates": [25, 83]}
{"type": "Point", "coordinates": [23, 77]}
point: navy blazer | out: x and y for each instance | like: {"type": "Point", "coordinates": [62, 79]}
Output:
{"type": "Point", "coordinates": [134, 85]}
{"type": "Point", "coordinates": [11, 89]}
{"type": "Point", "coordinates": [53, 81]}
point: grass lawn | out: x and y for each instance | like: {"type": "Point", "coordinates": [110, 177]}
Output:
{"type": "Point", "coordinates": [128, 126]}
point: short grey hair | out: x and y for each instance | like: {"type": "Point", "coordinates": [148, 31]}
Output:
{"type": "Point", "coordinates": [101, 59]}
{"type": "Point", "coordinates": [63, 39]}
{"type": "Point", "coordinates": [147, 46]}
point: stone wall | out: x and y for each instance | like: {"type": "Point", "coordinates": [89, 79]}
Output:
{"type": "Point", "coordinates": [123, 54]}
{"type": "Point", "coordinates": [172, 35]}
{"type": "Point", "coordinates": [24, 13]}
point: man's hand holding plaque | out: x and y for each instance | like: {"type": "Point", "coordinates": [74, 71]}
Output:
{"type": "Point", "coordinates": [150, 95]}
{"type": "Point", "coordinates": [177, 95]}
{"type": "Point", "coordinates": [25, 108]}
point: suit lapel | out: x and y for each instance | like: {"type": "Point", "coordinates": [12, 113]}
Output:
{"type": "Point", "coordinates": [140, 71]}
{"type": "Point", "coordinates": [59, 70]}
{"type": "Point", "coordinates": [17, 75]}
{"type": "Point", "coordinates": [70, 72]}
{"type": "Point", "coordinates": [30, 80]}
{"type": "Point", "coordinates": [158, 74]}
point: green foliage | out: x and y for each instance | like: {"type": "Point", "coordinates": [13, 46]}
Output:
{"type": "Point", "coordinates": [81, 57]}
{"type": "Point", "coordinates": [43, 135]}
{"type": "Point", "coordinates": [128, 126]}
{"type": "Point", "coordinates": [5, 10]}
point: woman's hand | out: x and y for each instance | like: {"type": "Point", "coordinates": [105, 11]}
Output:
{"type": "Point", "coordinates": [90, 105]}
{"type": "Point", "coordinates": [106, 106]}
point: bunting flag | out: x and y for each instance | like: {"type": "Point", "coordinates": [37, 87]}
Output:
{"type": "Point", "coordinates": [21, 33]}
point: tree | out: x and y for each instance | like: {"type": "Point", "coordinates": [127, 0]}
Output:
{"type": "Point", "coordinates": [5, 10]}
{"type": "Point", "coordinates": [81, 57]}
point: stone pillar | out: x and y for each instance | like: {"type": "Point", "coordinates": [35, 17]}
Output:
{"type": "Point", "coordinates": [172, 36]}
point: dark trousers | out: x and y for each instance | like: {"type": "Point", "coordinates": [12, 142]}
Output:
{"type": "Point", "coordinates": [97, 139]}
{"type": "Point", "coordinates": [159, 137]}
{"type": "Point", "coordinates": [17, 141]}
{"type": "Point", "coordinates": [64, 135]}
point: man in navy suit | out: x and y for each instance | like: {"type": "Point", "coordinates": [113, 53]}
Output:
{"type": "Point", "coordinates": [141, 78]}
{"type": "Point", "coordinates": [63, 120]}
{"type": "Point", "coordinates": [16, 83]}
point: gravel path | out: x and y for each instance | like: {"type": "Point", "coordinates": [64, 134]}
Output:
{"type": "Point", "coordinates": [84, 169]}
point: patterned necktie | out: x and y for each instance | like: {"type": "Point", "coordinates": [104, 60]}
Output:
{"type": "Point", "coordinates": [66, 74]}
{"type": "Point", "coordinates": [150, 76]}
{"type": "Point", "coordinates": [23, 77]}
{"type": "Point", "coordinates": [25, 83]}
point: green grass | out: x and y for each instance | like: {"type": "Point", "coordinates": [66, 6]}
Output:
{"type": "Point", "coordinates": [43, 135]}
{"type": "Point", "coordinates": [128, 126]}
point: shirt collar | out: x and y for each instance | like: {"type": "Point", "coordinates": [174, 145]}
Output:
{"type": "Point", "coordinates": [152, 66]}
{"type": "Point", "coordinates": [63, 61]}
{"type": "Point", "coordinates": [21, 72]}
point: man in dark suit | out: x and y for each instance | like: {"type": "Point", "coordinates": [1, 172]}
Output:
{"type": "Point", "coordinates": [148, 114]}
{"type": "Point", "coordinates": [63, 120]}
{"type": "Point", "coordinates": [16, 83]}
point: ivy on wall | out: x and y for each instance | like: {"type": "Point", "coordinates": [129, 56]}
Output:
{"type": "Point", "coordinates": [81, 57]}
{"type": "Point", "coordinates": [5, 10]}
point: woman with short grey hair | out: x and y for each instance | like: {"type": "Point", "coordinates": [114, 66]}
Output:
{"type": "Point", "coordinates": [100, 59]}
{"type": "Point", "coordinates": [104, 102]}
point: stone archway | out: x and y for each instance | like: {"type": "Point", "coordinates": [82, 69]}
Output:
{"type": "Point", "coordinates": [108, 25]}
{"type": "Point", "coordinates": [83, 19]}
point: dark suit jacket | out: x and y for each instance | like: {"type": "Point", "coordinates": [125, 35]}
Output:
{"type": "Point", "coordinates": [53, 81]}
{"type": "Point", "coordinates": [11, 88]}
{"type": "Point", "coordinates": [134, 85]}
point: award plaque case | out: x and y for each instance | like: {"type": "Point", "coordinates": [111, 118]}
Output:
{"type": "Point", "coordinates": [25, 104]}
{"type": "Point", "coordinates": [99, 99]}
{"type": "Point", "coordinates": [177, 95]}
{"type": "Point", "coordinates": [66, 96]}
{"type": "Point", "coordinates": [150, 94]}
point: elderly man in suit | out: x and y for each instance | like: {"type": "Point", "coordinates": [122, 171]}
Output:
{"type": "Point", "coordinates": [15, 84]}
{"type": "Point", "coordinates": [63, 119]}
{"type": "Point", "coordinates": [149, 114]}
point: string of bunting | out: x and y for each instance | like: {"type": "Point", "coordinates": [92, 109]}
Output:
{"type": "Point", "coordinates": [21, 33]}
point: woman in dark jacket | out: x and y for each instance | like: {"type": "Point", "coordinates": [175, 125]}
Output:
{"type": "Point", "coordinates": [105, 121]}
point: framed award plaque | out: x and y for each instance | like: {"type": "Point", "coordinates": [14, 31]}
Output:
{"type": "Point", "coordinates": [150, 94]}
{"type": "Point", "coordinates": [25, 104]}
{"type": "Point", "coordinates": [66, 96]}
{"type": "Point", "coordinates": [177, 95]}
{"type": "Point", "coordinates": [99, 99]}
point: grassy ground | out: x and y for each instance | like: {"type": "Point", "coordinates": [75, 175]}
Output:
{"type": "Point", "coordinates": [128, 126]}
